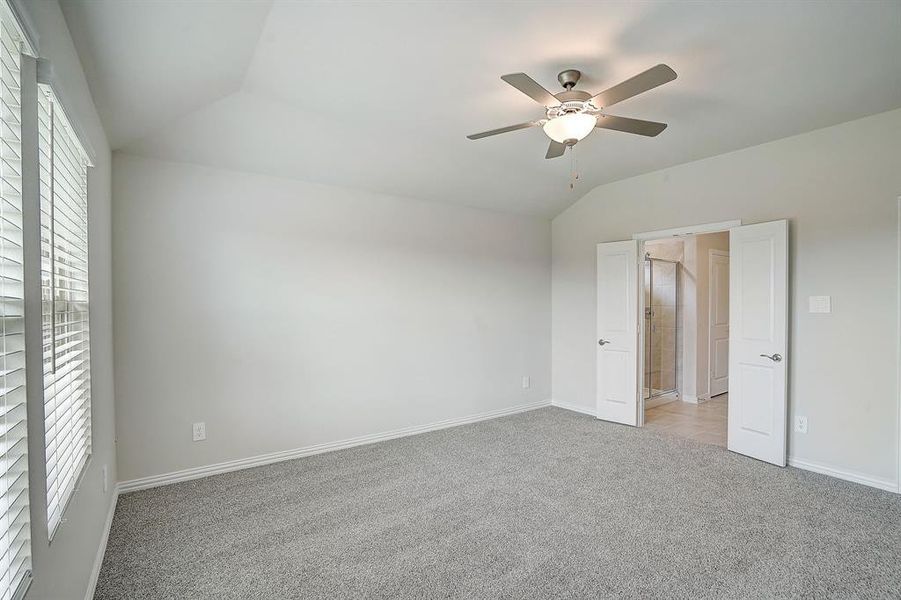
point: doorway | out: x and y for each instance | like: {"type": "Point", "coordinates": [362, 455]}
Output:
{"type": "Point", "coordinates": [686, 336]}
{"type": "Point", "coordinates": [728, 369]}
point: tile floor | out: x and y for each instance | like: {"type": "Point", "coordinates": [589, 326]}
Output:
{"type": "Point", "coordinates": [705, 422]}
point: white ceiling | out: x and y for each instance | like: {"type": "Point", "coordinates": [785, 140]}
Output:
{"type": "Point", "coordinates": [380, 96]}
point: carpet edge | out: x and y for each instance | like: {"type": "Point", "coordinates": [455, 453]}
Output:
{"type": "Point", "coordinates": [152, 481]}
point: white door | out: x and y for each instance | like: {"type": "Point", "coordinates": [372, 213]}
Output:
{"type": "Point", "coordinates": [758, 299]}
{"type": "Point", "coordinates": [617, 349]}
{"type": "Point", "coordinates": [718, 342]}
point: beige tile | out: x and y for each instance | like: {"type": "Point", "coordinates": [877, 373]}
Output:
{"type": "Point", "coordinates": [668, 352]}
{"type": "Point", "coordinates": [667, 379]}
{"type": "Point", "coordinates": [664, 316]}
{"type": "Point", "coordinates": [663, 295]}
{"type": "Point", "coordinates": [705, 422]}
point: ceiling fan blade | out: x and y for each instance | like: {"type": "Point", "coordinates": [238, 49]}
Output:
{"type": "Point", "coordinates": [531, 88]}
{"type": "Point", "coordinates": [648, 128]}
{"type": "Point", "coordinates": [642, 82]}
{"type": "Point", "coordinates": [555, 150]}
{"type": "Point", "coordinates": [526, 125]}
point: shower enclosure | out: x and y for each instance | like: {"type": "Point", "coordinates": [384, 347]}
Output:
{"type": "Point", "coordinates": [661, 297]}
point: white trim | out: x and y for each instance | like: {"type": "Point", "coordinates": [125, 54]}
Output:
{"type": "Point", "coordinates": [690, 399]}
{"type": "Point", "coordinates": [47, 77]}
{"type": "Point", "coordinates": [684, 231]}
{"type": "Point", "coordinates": [101, 550]}
{"type": "Point", "coordinates": [27, 30]}
{"type": "Point", "coordinates": [585, 410]}
{"type": "Point", "coordinates": [274, 457]}
{"type": "Point", "coordinates": [642, 405]}
{"type": "Point", "coordinates": [882, 484]}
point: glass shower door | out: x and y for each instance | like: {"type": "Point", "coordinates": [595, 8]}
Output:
{"type": "Point", "coordinates": [661, 282]}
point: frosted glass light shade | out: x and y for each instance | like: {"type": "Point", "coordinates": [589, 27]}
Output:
{"type": "Point", "coordinates": [571, 126]}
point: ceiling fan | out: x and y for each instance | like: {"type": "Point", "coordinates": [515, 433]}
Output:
{"type": "Point", "coordinates": [573, 114]}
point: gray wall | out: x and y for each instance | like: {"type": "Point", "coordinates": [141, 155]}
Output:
{"type": "Point", "coordinates": [63, 569]}
{"type": "Point", "coordinates": [286, 314]}
{"type": "Point", "coordinates": [839, 188]}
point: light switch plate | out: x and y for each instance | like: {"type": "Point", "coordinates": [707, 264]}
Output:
{"type": "Point", "coordinates": [820, 304]}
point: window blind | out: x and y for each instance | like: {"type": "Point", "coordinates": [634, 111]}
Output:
{"type": "Point", "coordinates": [15, 530]}
{"type": "Point", "coordinates": [64, 299]}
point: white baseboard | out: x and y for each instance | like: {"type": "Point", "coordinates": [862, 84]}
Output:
{"type": "Point", "coordinates": [882, 484]}
{"type": "Point", "coordinates": [274, 457]}
{"type": "Point", "coordinates": [101, 550]}
{"type": "Point", "coordinates": [690, 399]}
{"type": "Point", "coordinates": [574, 407]}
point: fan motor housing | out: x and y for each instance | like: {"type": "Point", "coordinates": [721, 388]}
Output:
{"type": "Point", "coordinates": [575, 105]}
{"type": "Point", "coordinates": [571, 95]}
{"type": "Point", "coordinates": [569, 78]}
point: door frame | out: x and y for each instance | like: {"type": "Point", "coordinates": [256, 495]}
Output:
{"type": "Point", "coordinates": [646, 236]}
{"type": "Point", "coordinates": [722, 253]}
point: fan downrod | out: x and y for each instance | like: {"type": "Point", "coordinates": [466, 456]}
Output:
{"type": "Point", "coordinates": [569, 78]}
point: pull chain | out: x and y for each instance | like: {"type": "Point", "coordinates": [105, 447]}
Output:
{"type": "Point", "coordinates": [573, 169]}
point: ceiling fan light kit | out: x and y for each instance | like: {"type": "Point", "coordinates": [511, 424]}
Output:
{"type": "Point", "coordinates": [573, 114]}
{"type": "Point", "coordinates": [570, 128]}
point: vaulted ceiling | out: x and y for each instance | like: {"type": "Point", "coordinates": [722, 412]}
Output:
{"type": "Point", "coordinates": [380, 95]}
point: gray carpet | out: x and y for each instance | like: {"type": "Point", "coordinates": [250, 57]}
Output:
{"type": "Point", "coordinates": [537, 505]}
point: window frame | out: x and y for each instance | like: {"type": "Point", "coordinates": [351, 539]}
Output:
{"type": "Point", "coordinates": [60, 487]}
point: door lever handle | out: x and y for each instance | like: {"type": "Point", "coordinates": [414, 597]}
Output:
{"type": "Point", "coordinates": [602, 342]}
{"type": "Point", "coordinates": [774, 358]}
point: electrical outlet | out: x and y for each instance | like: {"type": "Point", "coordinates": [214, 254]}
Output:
{"type": "Point", "coordinates": [526, 382]}
{"type": "Point", "coordinates": [801, 424]}
{"type": "Point", "coordinates": [199, 431]}
{"type": "Point", "coordinates": [104, 474]}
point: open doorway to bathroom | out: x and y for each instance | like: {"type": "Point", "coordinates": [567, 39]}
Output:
{"type": "Point", "coordinates": [685, 378]}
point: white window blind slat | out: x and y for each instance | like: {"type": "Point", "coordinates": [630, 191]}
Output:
{"type": "Point", "coordinates": [15, 542]}
{"type": "Point", "coordinates": [64, 310]}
